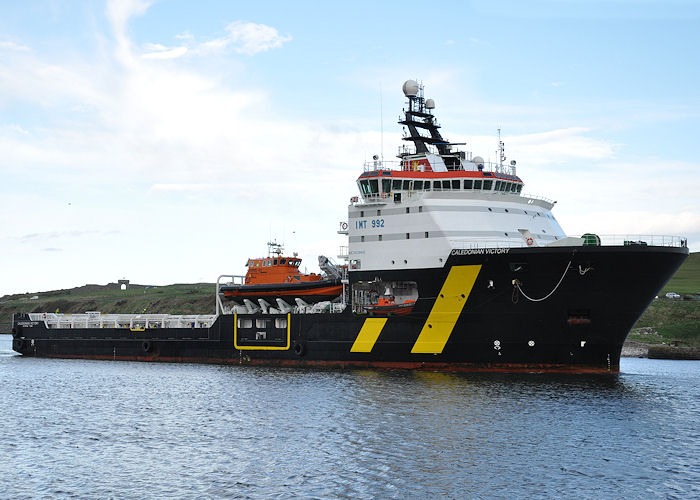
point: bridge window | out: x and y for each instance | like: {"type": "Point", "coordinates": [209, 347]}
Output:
{"type": "Point", "coordinates": [261, 323]}
{"type": "Point", "coordinates": [395, 185]}
{"type": "Point", "coordinates": [386, 185]}
{"type": "Point", "coordinates": [406, 185]}
{"type": "Point", "coordinates": [426, 185]}
{"type": "Point", "coordinates": [520, 187]}
{"type": "Point", "coordinates": [280, 322]}
{"type": "Point", "coordinates": [374, 186]}
{"type": "Point", "coordinates": [437, 186]}
{"type": "Point", "coordinates": [513, 188]}
{"type": "Point", "coordinates": [455, 184]}
{"type": "Point", "coordinates": [283, 261]}
{"type": "Point", "coordinates": [477, 184]}
{"type": "Point", "coordinates": [468, 184]}
{"type": "Point", "coordinates": [487, 185]}
{"type": "Point", "coordinates": [498, 186]}
{"type": "Point", "coordinates": [364, 186]}
{"type": "Point", "coordinates": [418, 185]}
{"type": "Point", "coordinates": [445, 185]}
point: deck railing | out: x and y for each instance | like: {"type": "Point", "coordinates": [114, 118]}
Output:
{"type": "Point", "coordinates": [606, 240]}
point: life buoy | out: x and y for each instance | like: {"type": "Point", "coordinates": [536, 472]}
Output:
{"type": "Point", "coordinates": [530, 242]}
{"type": "Point", "coordinates": [147, 346]}
{"type": "Point", "coordinates": [299, 348]}
{"type": "Point", "coordinates": [343, 226]}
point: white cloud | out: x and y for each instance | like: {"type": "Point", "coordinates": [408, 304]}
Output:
{"type": "Point", "coordinates": [166, 53]}
{"type": "Point", "coordinates": [248, 38]}
{"type": "Point", "coordinates": [7, 44]}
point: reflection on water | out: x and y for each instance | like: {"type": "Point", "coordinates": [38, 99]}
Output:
{"type": "Point", "coordinates": [121, 429]}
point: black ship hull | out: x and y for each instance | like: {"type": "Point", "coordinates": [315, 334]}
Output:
{"type": "Point", "coordinates": [481, 311]}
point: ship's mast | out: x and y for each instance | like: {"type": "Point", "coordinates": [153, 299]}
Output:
{"type": "Point", "coordinates": [419, 117]}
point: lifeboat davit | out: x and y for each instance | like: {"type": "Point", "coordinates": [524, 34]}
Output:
{"type": "Point", "coordinates": [277, 276]}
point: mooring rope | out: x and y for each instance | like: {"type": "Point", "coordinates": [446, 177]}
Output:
{"type": "Point", "coordinates": [516, 283]}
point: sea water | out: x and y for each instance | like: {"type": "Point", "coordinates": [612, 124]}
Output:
{"type": "Point", "coordinates": [105, 429]}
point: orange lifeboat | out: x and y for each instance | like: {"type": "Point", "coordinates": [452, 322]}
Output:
{"type": "Point", "coordinates": [279, 276]}
{"type": "Point", "coordinates": [388, 305]}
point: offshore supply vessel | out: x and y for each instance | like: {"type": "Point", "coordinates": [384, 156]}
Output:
{"type": "Point", "coordinates": [449, 266]}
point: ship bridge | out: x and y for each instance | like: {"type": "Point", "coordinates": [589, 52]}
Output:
{"type": "Point", "coordinates": [413, 212]}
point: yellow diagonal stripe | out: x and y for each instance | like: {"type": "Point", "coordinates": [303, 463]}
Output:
{"type": "Point", "coordinates": [447, 308]}
{"type": "Point", "coordinates": [368, 335]}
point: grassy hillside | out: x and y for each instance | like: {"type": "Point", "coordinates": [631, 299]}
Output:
{"type": "Point", "coordinates": [687, 279]}
{"type": "Point", "coordinates": [196, 298]}
{"type": "Point", "coordinates": [669, 320]}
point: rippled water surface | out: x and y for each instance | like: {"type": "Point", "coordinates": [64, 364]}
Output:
{"type": "Point", "coordinates": [100, 429]}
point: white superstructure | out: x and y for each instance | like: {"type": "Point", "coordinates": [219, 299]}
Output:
{"type": "Point", "coordinates": [413, 213]}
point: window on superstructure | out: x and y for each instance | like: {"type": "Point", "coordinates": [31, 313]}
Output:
{"type": "Point", "coordinates": [426, 234]}
{"type": "Point", "coordinates": [374, 186]}
{"type": "Point", "coordinates": [386, 185]}
{"type": "Point", "coordinates": [487, 185]}
{"type": "Point", "coordinates": [468, 184]}
{"type": "Point", "coordinates": [477, 184]}
{"type": "Point", "coordinates": [437, 186]}
{"type": "Point", "coordinates": [513, 188]}
{"type": "Point", "coordinates": [408, 210]}
{"type": "Point", "coordinates": [380, 237]}
{"type": "Point", "coordinates": [520, 187]}
{"type": "Point", "coordinates": [275, 261]}
{"type": "Point", "coordinates": [395, 185]}
{"type": "Point", "coordinates": [283, 261]}
{"type": "Point", "coordinates": [362, 213]}
{"type": "Point", "coordinates": [426, 185]}
{"type": "Point", "coordinates": [498, 186]}
{"type": "Point", "coordinates": [406, 185]}
{"type": "Point", "coordinates": [408, 236]}
{"type": "Point", "coordinates": [420, 210]}
{"type": "Point", "coordinates": [418, 185]}
{"type": "Point", "coordinates": [379, 212]}
{"type": "Point", "coordinates": [504, 185]}
{"type": "Point", "coordinates": [445, 185]}
{"type": "Point", "coordinates": [455, 184]}
{"type": "Point", "coordinates": [364, 186]}
{"type": "Point", "coordinates": [362, 239]}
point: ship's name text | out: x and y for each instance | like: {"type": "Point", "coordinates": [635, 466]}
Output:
{"type": "Point", "coordinates": [479, 251]}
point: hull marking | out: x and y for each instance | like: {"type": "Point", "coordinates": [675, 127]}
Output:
{"type": "Point", "coordinates": [446, 310]}
{"type": "Point", "coordinates": [369, 333]}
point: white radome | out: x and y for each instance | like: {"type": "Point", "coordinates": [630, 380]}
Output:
{"type": "Point", "coordinates": [410, 88]}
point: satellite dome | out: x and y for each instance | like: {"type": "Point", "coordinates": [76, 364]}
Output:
{"type": "Point", "coordinates": [429, 104]}
{"type": "Point", "coordinates": [478, 161]}
{"type": "Point", "coordinates": [410, 88]}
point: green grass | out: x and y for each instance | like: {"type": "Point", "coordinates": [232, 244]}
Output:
{"type": "Point", "coordinates": [687, 278]}
{"type": "Point", "coordinates": [195, 298]}
{"type": "Point", "coordinates": [673, 320]}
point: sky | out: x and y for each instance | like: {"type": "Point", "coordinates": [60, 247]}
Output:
{"type": "Point", "coordinates": [168, 141]}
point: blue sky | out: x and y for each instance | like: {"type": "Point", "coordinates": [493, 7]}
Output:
{"type": "Point", "coordinates": [167, 141]}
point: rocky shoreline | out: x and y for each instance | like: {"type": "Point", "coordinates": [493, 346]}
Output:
{"type": "Point", "coordinates": [633, 349]}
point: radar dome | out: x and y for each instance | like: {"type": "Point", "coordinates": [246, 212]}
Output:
{"type": "Point", "coordinates": [478, 161]}
{"type": "Point", "coordinates": [429, 104]}
{"type": "Point", "coordinates": [410, 88]}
